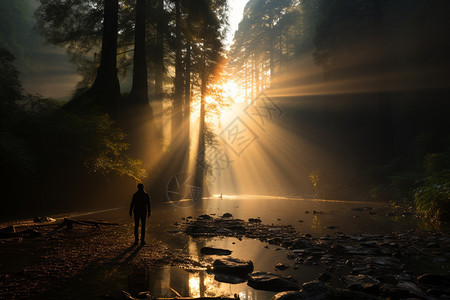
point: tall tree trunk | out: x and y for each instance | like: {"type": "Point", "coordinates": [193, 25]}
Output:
{"type": "Point", "coordinates": [200, 174]}
{"type": "Point", "coordinates": [246, 84]}
{"type": "Point", "coordinates": [178, 97]}
{"type": "Point", "coordinates": [159, 68]}
{"type": "Point", "coordinates": [139, 89]}
{"type": "Point", "coordinates": [257, 76]}
{"type": "Point", "coordinates": [271, 50]}
{"type": "Point", "coordinates": [105, 89]}
{"type": "Point", "coordinates": [187, 97]}
{"type": "Point", "coordinates": [139, 123]}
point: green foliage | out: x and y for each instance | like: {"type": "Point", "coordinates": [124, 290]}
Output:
{"type": "Point", "coordinates": [109, 153]}
{"type": "Point", "coordinates": [314, 177]}
{"type": "Point", "coordinates": [432, 197]}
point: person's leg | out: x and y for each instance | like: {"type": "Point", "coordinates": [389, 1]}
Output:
{"type": "Point", "coordinates": [136, 228]}
{"type": "Point", "coordinates": [143, 229]}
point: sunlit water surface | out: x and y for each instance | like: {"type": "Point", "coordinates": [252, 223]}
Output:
{"type": "Point", "coordinates": [306, 215]}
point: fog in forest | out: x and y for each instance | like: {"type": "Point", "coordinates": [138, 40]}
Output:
{"type": "Point", "coordinates": [335, 100]}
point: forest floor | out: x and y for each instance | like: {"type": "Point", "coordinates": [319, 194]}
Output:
{"type": "Point", "coordinates": [41, 267]}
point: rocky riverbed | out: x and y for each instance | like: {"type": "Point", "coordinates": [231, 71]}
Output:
{"type": "Point", "coordinates": [412, 264]}
{"type": "Point", "coordinates": [99, 261]}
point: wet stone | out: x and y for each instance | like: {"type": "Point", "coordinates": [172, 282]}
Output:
{"type": "Point", "coordinates": [300, 244]}
{"type": "Point", "coordinates": [228, 278]}
{"type": "Point", "coordinates": [214, 251]}
{"type": "Point", "coordinates": [254, 220]}
{"type": "Point", "coordinates": [395, 292]}
{"type": "Point", "coordinates": [271, 282]}
{"type": "Point", "coordinates": [281, 266]}
{"type": "Point", "coordinates": [337, 249]}
{"type": "Point", "coordinates": [324, 277]}
{"type": "Point", "coordinates": [433, 281]}
{"type": "Point", "coordinates": [231, 265]}
{"type": "Point", "coordinates": [289, 295]}
{"type": "Point", "coordinates": [204, 217]}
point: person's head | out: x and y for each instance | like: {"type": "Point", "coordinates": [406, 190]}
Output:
{"type": "Point", "coordinates": [140, 186]}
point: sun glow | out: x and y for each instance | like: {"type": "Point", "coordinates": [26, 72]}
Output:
{"type": "Point", "coordinates": [219, 103]}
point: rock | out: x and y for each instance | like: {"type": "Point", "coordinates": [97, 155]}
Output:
{"type": "Point", "coordinates": [395, 292]}
{"type": "Point", "coordinates": [227, 278]}
{"type": "Point", "coordinates": [433, 281]}
{"type": "Point", "coordinates": [316, 290]}
{"type": "Point", "coordinates": [224, 231]}
{"type": "Point", "coordinates": [324, 277]}
{"type": "Point", "coordinates": [271, 282]}
{"type": "Point", "coordinates": [337, 249]}
{"type": "Point", "coordinates": [360, 280]}
{"type": "Point", "coordinates": [331, 227]}
{"type": "Point", "coordinates": [43, 219]}
{"type": "Point", "coordinates": [231, 265]}
{"type": "Point", "coordinates": [300, 244]}
{"type": "Point", "coordinates": [254, 220]}
{"type": "Point", "coordinates": [289, 295]}
{"type": "Point", "coordinates": [214, 251]}
{"type": "Point", "coordinates": [314, 287]}
{"type": "Point", "coordinates": [281, 266]}
{"type": "Point", "coordinates": [227, 215]}
{"type": "Point", "coordinates": [204, 217]}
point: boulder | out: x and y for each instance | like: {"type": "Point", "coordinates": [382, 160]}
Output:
{"type": "Point", "coordinates": [433, 281]}
{"type": "Point", "coordinates": [214, 251]}
{"type": "Point", "coordinates": [300, 244]}
{"type": "Point", "coordinates": [281, 266]}
{"type": "Point", "coordinates": [204, 217]}
{"type": "Point", "coordinates": [231, 265]}
{"type": "Point", "coordinates": [271, 282]}
{"type": "Point", "coordinates": [254, 220]}
{"type": "Point", "coordinates": [227, 278]}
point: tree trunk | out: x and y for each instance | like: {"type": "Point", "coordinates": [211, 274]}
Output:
{"type": "Point", "coordinates": [272, 56]}
{"type": "Point", "coordinates": [187, 97]}
{"type": "Point", "coordinates": [105, 89]}
{"type": "Point", "coordinates": [257, 76]}
{"type": "Point", "coordinates": [139, 122]}
{"type": "Point", "coordinates": [159, 70]}
{"type": "Point", "coordinates": [200, 174]}
{"type": "Point", "coordinates": [139, 89]}
{"type": "Point", "coordinates": [178, 97]}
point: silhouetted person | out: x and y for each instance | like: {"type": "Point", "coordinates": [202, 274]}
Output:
{"type": "Point", "coordinates": [141, 207]}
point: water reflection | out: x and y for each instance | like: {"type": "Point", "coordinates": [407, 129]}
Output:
{"type": "Point", "coordinates": [175, 282]}
{"type": "Point", "coordinates": [172, 281]}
